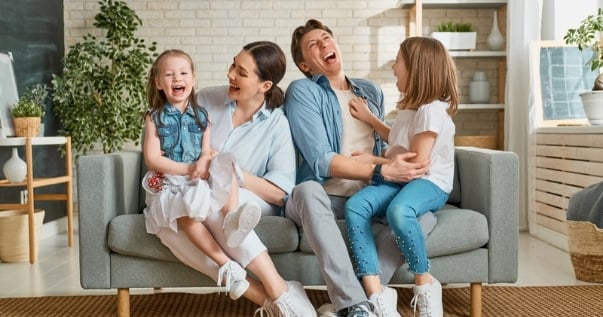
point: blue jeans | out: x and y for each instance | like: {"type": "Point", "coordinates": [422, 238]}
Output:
{"type": "Point", "coordinates": [402, 204]}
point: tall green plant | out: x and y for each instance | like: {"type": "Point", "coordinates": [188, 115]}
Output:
{"type": "Point", "coordinates": [587, 35]}
{"type": "Point", "coordinates": [101, 94]}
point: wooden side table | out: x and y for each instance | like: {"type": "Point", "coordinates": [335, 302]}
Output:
{"type": "Point", "coordinates": [31, 182]}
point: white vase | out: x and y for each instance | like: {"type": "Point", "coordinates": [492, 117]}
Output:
{"type": "Point", "coordinates": [14, 168]}
{"type": "Point", "coordinates": [495, 39]}
{"type": "Point", "coordinates": [479, 88]}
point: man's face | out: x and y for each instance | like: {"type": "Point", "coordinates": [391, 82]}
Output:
{"type": "Point", "coordinates": [321, 53]}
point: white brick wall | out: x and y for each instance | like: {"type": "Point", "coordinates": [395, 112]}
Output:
{"type": "Point", "coordinates": [213, 31]}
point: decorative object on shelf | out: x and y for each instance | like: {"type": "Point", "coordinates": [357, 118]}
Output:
{"type": "Point", "coordinates": [14, 234]}
{"type": "Point", "coordinates": [29, 110]}
{"type": "Point", "coordinates": [456, 36]}
{"type": "Point", "coordinates": [495, 39]}
{"type": "Point", "coordinates": [479, 88]}
{"type": "Point", "coordinates": [587, 35]}
{"type": "Point", "coordinates": [14, 168]}
{"type": "Point", "coordinates": [114, 71]}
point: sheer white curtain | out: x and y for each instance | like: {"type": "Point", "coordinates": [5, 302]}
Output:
{"type": "Point", "coordinates": [523, 27]}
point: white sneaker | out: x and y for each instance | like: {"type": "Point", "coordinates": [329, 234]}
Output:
{"type": "Point", "coordinates": [239, 223]}
{"type": "Point", "coordinates": [234, 279]}
{"type": "Point", "coordinates": [386, 303]}
{"type": "Point", "coordinates": [327, 310]}
{"type": "Point", "coordinates": [429, 299]}
{"type": "Point", "coordinates": [294, 302]}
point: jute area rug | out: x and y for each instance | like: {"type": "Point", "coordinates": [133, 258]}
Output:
{"type": "Point", "coordinates": [549, 301]}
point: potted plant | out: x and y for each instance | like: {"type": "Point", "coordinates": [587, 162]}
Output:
{"type": "Point", "coordinates": [456, 36]}
{"type": "Point", "coordinates": [27, 113]}
{"type": "Point", "coordinates": [101, 95]}
{"type": "Point", "coordinates": [588, 36]}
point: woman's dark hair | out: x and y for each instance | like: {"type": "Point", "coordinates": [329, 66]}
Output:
{"type": "Point", "coordinates": [298, 33]}
{"type": "Point", "coordinates": [157, 98]}
{"type": "Point", "coordinates": [271, 65]}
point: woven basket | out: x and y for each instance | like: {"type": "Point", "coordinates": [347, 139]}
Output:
{"type": "Point", "coordinates": [481, 141]}
{"type": "Point", "coordinates": [14, 234]}
{"type": "Point", "coordinates": [586, 250]}
{"type": "Point", "coordinates": [27, 126]}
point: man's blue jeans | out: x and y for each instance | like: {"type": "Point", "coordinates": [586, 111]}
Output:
{"type": "Point", "coordinates": [402, 204]}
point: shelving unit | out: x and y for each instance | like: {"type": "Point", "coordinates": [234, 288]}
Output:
{"type": "Point", "coordinates": [31, 183]}
{"type": "Point", "coordinates": [415, 27]}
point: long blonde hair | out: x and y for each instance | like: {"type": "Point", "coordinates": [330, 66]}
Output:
{"type": "Point", "coordinates": [431, 74]}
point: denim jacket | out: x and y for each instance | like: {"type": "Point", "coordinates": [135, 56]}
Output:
{"type": "Point", "coordinates": [179, 135]}
{"type": "Point", "coordinates": [316, 124]}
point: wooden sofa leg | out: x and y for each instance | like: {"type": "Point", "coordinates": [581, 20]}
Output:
{"type": "Point", "coordinates": [475, 295]}
{"type": "Point", "coordinates": [123, 302]}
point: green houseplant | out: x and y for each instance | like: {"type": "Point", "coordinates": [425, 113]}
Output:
{"type": "Point", "coordinates": [588, 36]}
{"type": "Point", "coordinates": [456, 36]}
{"type": "Point", "coordinates": [28, 112]}
{"type": "Point", "coordinates": [101, 95]}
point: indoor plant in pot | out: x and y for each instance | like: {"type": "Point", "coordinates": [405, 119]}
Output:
{"type": "Point", "coordinates": [456, 36]}
{"type": "Point", "coordinates": [100, 97]}
{"type": "Point", "coordinates": [588, 35]}
{"type": "Point", "coordinates": [28, 112]}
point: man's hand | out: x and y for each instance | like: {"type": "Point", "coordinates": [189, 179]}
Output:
{"type": "Point", "coordinates": [398, 169]}
{"type": "Point", "coordinates": [362, 157]}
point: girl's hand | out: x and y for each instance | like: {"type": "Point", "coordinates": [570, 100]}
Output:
{"type": "Point", "coordinates": [200, 169]}
{"type": "Point", "coordinates": [359, 110]}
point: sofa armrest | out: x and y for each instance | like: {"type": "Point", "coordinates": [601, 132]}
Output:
{"type": "Point", "coordinates": [489, 182]}
{"type": "Point", "coordinates": [107, 185]}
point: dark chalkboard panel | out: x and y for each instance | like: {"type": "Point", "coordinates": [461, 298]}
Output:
{"type": "Point", "coordinates": [32, 30]}
{"type": "Point", "coordinates": [564, 74]}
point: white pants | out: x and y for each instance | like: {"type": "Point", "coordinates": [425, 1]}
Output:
{"type": "Point", "coordinates": [189, 254]}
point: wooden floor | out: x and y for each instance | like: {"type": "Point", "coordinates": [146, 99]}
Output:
{"type": "Point", "coordinates": [56, 272]}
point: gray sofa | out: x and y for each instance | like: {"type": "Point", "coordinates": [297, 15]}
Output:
{"type": "Point", "coordinates": [475, 240]}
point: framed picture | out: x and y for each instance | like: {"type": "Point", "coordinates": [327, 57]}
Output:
{"type": "Point", "coordinates": [8, 94]}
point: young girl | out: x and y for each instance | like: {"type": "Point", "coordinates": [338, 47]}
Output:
{"type": "Point", "coordinates": [182, 188]}
{"type": "Point", "coordinates": [426, 77]}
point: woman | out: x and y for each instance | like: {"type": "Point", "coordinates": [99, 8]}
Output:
{"type": "Point", "coordinates": [247, 121]}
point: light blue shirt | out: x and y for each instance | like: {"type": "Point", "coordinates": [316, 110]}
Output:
{"type": "Point", "coordinates": [314, 114]}
{"type": "Point", "coordinates": [262, 146]}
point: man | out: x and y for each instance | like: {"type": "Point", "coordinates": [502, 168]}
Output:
{"type": "Point", "coordinates": [325, 135]}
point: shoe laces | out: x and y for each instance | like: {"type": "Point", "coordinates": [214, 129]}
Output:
{"type": "Point", "coordinates": [283, 307]}
{"type": "Point", "coordinates": [267, 310]}
{"type": "Point", "coordinates": [228, 273]}
{"type": "Point", "coordinates": [421, 299]}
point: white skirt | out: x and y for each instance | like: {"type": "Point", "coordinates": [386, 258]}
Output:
{"type": "Point", "coordinates": [169, 197]}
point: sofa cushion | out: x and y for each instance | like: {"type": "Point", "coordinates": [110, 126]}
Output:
{"type": "Point", "coordinates": [457, 230]}
{"type": "Point", "coordinates": [128, 236]}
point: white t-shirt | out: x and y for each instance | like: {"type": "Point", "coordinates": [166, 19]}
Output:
{"type": "Point", "coordinates": [357, 136]}
{"type": "Point", "coordinates": [429, 117]}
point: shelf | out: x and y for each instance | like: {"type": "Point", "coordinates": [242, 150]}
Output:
{"type": "Point", "coordinates": [439, 4]}
{"type": "Point", "coordinates": [20, 141]}
{"type": "Point", "coordinates": [477, 54]}
{"type": "Point", "coordinates": [481, 106]}
{"type": "Point", "coordinates": [30, 183]}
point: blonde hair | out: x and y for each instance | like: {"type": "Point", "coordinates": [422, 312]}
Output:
{"type": "Point", "coordinates": [431, 74]}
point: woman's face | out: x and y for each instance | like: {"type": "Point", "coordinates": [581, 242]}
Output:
{"type": "Point", "coordinates": [176, 79]}
{"type": "Point", "coordinates": [245, 85]}
{"type": "Point", "coordinates": [401, 73]}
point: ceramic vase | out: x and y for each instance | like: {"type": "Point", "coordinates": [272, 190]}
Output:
{"type": "Point", "coordinates": [14, 168]}
{"type": "Point", "coordinates": [479, 88]}
{"type": "Point", "coordinates": [495, 39]}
